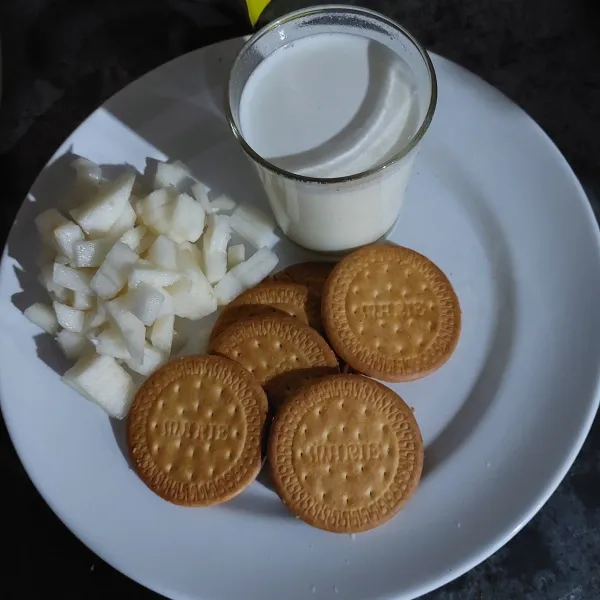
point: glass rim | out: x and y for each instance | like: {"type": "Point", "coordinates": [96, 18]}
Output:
{"type": "Point", "coordinates": [292, 16]}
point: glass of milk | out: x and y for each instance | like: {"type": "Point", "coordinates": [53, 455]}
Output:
{"type": "Point", "coordinates": [331, 103]}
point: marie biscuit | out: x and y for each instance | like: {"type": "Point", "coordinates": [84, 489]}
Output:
{"type": "Point", "coordinates": [391, 313]}
{"type": "Point", "coordinates": [278, 351]}
{"type": "Point", "coordinates": [345, 453]}
{"type": "Point", "coordinates": [283, 298]}
{"type": "Point", "coordinates": [195, 430]}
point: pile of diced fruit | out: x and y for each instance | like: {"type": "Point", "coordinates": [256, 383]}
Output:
{"type": "Point", "coordinates": [125, 265]}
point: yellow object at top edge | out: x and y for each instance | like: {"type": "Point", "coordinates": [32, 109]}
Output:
{"type": "Point", "coordinates": [255, 8]}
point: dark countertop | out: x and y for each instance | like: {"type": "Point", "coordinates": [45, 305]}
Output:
{"type": "Point", "coordinates": [62, 58]}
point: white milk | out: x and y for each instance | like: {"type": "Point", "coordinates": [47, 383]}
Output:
{"type": "Point", "coordinates": [332, 105]}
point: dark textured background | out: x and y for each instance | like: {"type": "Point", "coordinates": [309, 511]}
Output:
{"type": "Point", "coordinates": [62, 58]}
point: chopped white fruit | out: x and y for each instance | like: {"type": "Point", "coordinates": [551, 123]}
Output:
{"type": "Point", "coordinates": [95, 317]}
{"type": "Point", "coordinates": [123, 224]}
{"type": "Point", "coordinates": [130, 327]}
{"type": "Point", "coordinates": [200, 192]}
{"type": "Point", "coordinates": [187, 220]}
{"type": "Point", "coordinates": [146, 242]}
{"type": "Point", "coordinates": [110, 342]}
{"type": "Point", "coordinates": [134, 237]}
{"type": "Point", "coordinates": [86, 169]}
{"type": "Point", "coordinates": [72, 279]}
{"type": "Point", "coordinates": [82, 301]}
{"type": "Point", "coordinates": [155, 210]}
{"type": "Point", "coordinates": [69, 318]}
{"type": "Point", "coordinates": [193, 297]}
{"type": "Point", "coordinates": [179, 341]}
{"type": "Point", "coordinates": [65, 236]}
{"type": "Point", "coordinates": [157, 278]}
{"type": "Point", "coordinates": [42, 316]}
{"type": "Point", "coordinates": [252, 271]}
{"type": "Point", "coordinates": [114, 271]}
{"type": "Point", "coordinates": [189, 260]}
{"type": "Point", "coordinates": [74, 345]}
{"type": "Point", "coordinates": [97, 216]}
{"type": "Point", "coordinates": [245, 275]}
{"type": "Point", "coordinates": [215, 240]}
{"type": "Point", "coordinates": [153, 358]}
{"type": "Point", "coordinates": [143, 263]}
{"type": "Point", "coordinates": [235, 255]}
{"type": "Point", "coordinates": [161, 334]}
{"type": "Point", "coordinates": [163, 253]}
{"type": "Point", "coordinates": [223, 202]}
{"type": "Point", "coordinates": [47, 222]}
{"type": "Point", "coordinates": [193, 251]}
{"type": "Point", "coordinates": [168, 307]}
{"type": "Point", "coordinates": [57, 292]}
{"type": "Point", "coordinates": [254, 226]}
{"type": "Point", "coordinates": [91, 253]}
{"type": "Point", "coordinates": [103, 381]}
{"type": "Point", "coordinates": [228, 288]}
{"type": "Point", "coordinates": [145, 302]}
{"type": "Point", "coordinates": [173, 174]}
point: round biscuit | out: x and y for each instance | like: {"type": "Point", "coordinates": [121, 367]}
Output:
{"type": "Point", "coordinates": [278, 351]}
{"type": "Point", "coordinates": [345, 453]}
{"type": "Point", "coordinates": [195, 430]}
{"type": "Point", "coordinates": [312, 274]}
{"type": "Point", "coordinates": [280, 297]}
{"type": "Point", "coordinates": [391, 313]}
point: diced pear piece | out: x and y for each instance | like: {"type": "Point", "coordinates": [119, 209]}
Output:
{"type": "Point", "coordinates": [110, 342]}
{"type": "Point", "coordinates": [163, 253]}
{"type": "Point", "coordinates": [153, 358]}
{"type": "Point", "coordinates": [130, 327]}
{"type": "Point", "coordinates": [134, 237]}
{"type": "Point", "coordinates": [96, 317]}
{"type": "Point", "coordinates": [235, 255]}
{"type": "Point", "coordinates": [223, 202]}
{"type": "Point", "coordinates": [157, 278]}
{"type": "Point", "coordinates": [74, 345]}
{"type": "Point", "coordinates": [187, 221]}
{"type": "Point", "coordinates": [82, 301]}
{"type": "Point", "coordinates": [46, 279]}
{"type": "Point", "coordinates": [91, 253]}
{"type": "Point", "coordinates": [254, 226]}
{"type": "Point", "coordinates": [72, 279]}
{"type": "Point", "coordinates": [200, 192]}
{"type": "Point", "coordinates": [97, 216]}
{"type": "Point", "coordinates": [171, 174]}
{"type": "Point", "coordinates": [193, 298]}
{"type": "Point", "coordinates": [65, 236]}
{"type": "Point", "coordinates": [161, 334]}
{"type": "Point", "coordinates": [155, 210]}
{"type": "Point", "coordinates": [145, 302]}
{"type": "Point", "coordinates": [87, 169]}
{"type": "Point", "coordinates": [114, 271]}
{"type": "Point", "coordinates": [42, 316]}
{"type": "Point", "coordinates": [69, 318]}
{"type": "Point", "coordinates": [215, 240]}
{"type": "Point", "coordinates": [46, 222]}
{"type": "Point", "coordinates": [228, 288]}
{"type": "Point", "coordinates": [123, 224]}
{"type": "Point", "coordinates": [103, 381]}
{"type": "Point", "coordinates": [245, 275]}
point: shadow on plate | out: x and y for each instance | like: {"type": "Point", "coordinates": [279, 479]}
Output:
{"type": "Point", "coordinates": [182, 117]}
{"type": "Point", "coordinates": [489, 381]}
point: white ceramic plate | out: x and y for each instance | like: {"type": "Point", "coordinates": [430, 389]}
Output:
{"type": "Point", "coordinates": [495, 205]}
